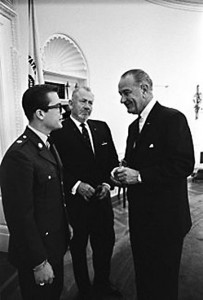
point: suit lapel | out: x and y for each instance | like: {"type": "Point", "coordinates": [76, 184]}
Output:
{"type": "Point", "coordinates": [135, 134]}
{"type": "Point", "coordinates": [151, 119]}
{"type": "Point", "coordinates": [76, 131]}
{"type": "Point", "coordinates": [58, 160]}
{"type": "Point", "coordinates": [95, 135]}
{"type": "Point", "coordinates": [46, 154]}
{"type": "Point", "coordinates": [71, 126]}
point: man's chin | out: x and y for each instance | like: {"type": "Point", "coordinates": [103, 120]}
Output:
{"type": "Point", "coordinates": [60, 125]}
{"type": "Point", "coordinates": [84, 117]}
{"type": "Point", "coordinates": [131, 110]}
{"type": "Point", "coordinates": [83, 120]}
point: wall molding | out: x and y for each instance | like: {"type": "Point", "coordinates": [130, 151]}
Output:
{"type": "Point", "coordinates": [191, 5]}
{"type": "Point", "coordinates": [11, 121]}
{"type": "Point", "coordinates": [6, 10]}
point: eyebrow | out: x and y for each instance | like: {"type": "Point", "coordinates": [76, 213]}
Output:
{"type": "Point", "coordinates": [125, 90]}
{"type": "Point", "coordinates": [89, 100]}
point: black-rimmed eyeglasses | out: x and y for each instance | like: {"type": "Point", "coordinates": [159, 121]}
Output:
{"type": "Point", "coordinates": [58, 105]}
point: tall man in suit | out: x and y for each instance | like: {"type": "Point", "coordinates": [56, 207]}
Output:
{"type": "Point", "coordinates": [33, 199]}
{"type": "Point", "coordinates": [159, 156]}
{"type": "Point", "coordinates": [88, 156]}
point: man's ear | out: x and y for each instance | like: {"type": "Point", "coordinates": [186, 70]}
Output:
{"type": "Point", "coordinates": [40, 114]}
{"type": "Point", "coordinates": [144, 88]}
{"type": "Point", "coordinates": [70, 103]}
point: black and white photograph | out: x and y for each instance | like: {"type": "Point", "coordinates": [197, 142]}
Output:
{"type": "Point", "coordinates": [101, 150]}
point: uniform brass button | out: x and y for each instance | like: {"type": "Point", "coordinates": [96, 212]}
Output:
{"type": "Point", "coordinates": [40, 145]}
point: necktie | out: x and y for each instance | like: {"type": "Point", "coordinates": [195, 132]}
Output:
{"type": "Point", "coordinates": [136, 130]}
{"type": "Point", "coordinates": [50, 145]}
{"type": "Point", "coordinates": [85, 135]}
{"type": "Point", "coordinates": [138, 123]}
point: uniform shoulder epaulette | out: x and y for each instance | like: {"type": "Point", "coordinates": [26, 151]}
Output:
{"type": "Point", "coordinates": [21, 140]}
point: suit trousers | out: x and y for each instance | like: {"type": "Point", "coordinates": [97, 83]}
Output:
{"type": "Point", "coordinates": [31, 291]}
{"type": "Point", "coordinates": [156, 268]}
{"type": "Point", "coordinates": [93, 222]}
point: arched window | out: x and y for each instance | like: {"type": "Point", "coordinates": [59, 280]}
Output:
{"type": "Point", "coordinates": [64, 64]}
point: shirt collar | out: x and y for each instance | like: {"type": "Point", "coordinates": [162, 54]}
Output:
{"type": "Point", "coordinates": [77, 123]}
{"type": "Point", "coordinates": [41, 135]}
{"type": "Point", "coordinates": [144, 114]}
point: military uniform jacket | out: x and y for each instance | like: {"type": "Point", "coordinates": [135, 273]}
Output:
{"type": "Point", "coordinates": [33, 204]}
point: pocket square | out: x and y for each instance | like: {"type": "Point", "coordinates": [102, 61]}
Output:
{"type": "Point", "coordinates": [151, 146]}
{"type": "Point", "coordinates": [104, 143]}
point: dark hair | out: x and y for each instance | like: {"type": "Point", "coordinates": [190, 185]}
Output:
{"type": "Point", "coordinates": [139, 76]}
{"type": "Point", "coordinates": [36, 98]}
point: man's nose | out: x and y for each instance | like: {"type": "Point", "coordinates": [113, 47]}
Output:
{"type": "Point", "coordinates": [62, 110]}
{"type": "Point", "coordinates": [88, 105]}
{"type": "Point", "coordinates": [123, 99]}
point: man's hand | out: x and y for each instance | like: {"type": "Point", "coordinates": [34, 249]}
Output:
{"type": "Point", "coordinates": [44, 274]}
{"type": "Point", "coordinates": [102, 191]}
{"type": "Point", "coordinates": [116, 182]}
{"type": "Point", "coordinates": [126, 175]}
{"type": "Point", "coordinates": [85, 190]}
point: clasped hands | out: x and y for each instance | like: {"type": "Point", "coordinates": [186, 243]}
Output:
{"type": "Point", "coordinates": [87, 191]}
{"type": "Point", "coordinates": [44, 274]}
{"type": "Point", "coordinates": [122, 176]}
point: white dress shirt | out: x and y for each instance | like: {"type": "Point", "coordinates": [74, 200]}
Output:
{"type": "Point", "coordinates": [144, 114]}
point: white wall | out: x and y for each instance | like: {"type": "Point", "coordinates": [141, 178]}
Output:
{"type": "Point", "coordinates": [116, 36]}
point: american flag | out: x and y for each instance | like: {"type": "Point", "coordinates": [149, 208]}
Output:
{"type": "Point", "coordinates": [35, 75]}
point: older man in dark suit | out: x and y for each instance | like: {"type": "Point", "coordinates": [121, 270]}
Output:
{"type": "Point", "coordinates": [88, 155]}
{"type": "Point", "coordinates": [159, 157]}
{"type": "Point", "coordinates": [33, 200]}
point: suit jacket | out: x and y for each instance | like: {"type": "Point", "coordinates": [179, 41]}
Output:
{"type": "Point", "coordinates": [79, 162]}
{"type": "Point", "coordinates": [33, 202]}
{"type": "Point", "coordinates": [164, 156]}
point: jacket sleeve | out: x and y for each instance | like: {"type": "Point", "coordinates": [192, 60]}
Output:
{"type": "Point", "coordinates": [112, 157]}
